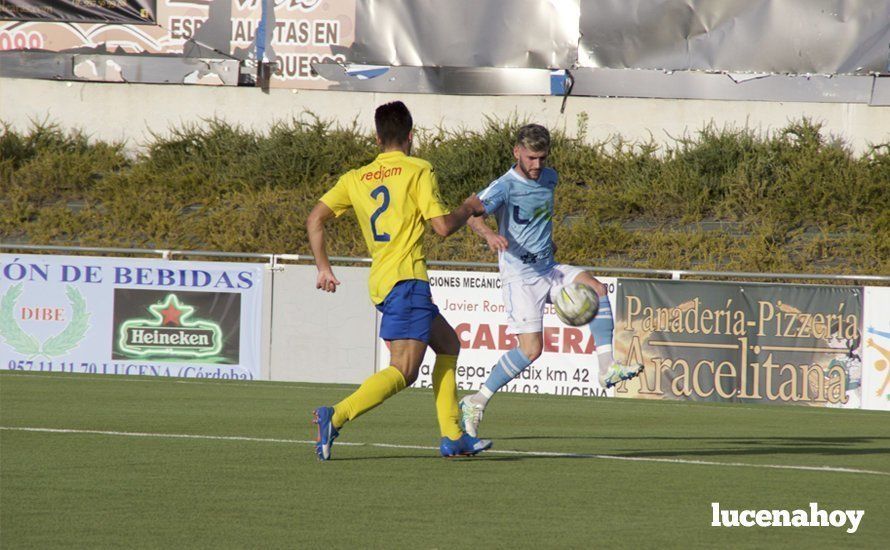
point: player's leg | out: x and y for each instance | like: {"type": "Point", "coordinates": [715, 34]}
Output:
{"type": "Point", "coordinates": [602, 328]}
{"type": "Point", "coordinates": [380, 386]}
{"type": "Point", "coordinates": [376, 389]}
{"type": "Point", "coordinates": [585, 277]}
{"type": "Point", "coordinates": [405, 324]}
{"type": "Point", "coordinates": [524, 303]}
{"type": "Point", "coordinates": [511, 365]}
{"type": "Point", "coordinates": [445, 343]}
{"type": "Point", "coordinates": [454, 442]}
{"type": "Point", "coordinates": [408, 313]}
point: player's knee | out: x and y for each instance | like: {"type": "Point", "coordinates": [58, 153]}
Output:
{"type": "Point", "coordinates": [450, 345]}
{"type": "Point", "coordinates": [409, 372]}
{"type": "Point", "coordinates": [445, 343]}
{"type": "Point", "coordinates": [410, 376]}
{"type": "Point", "coordinates": [597, 286]}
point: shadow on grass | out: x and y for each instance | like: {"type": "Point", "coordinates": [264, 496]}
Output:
{"type": "Point", "coordinates": [464, 459]}
{"type": "Point", "coordinates": [736, 446]}
{"type": "Point", "coordinates": [728, 446]}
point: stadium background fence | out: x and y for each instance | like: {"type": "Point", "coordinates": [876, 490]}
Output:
{"type": "Point", "coordinates": [303, 335]}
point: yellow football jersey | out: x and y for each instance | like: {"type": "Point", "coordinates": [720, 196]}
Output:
{"type": "Point", "coordinates": [391, 197]}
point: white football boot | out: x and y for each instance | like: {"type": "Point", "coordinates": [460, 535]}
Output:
{"type": "Point", "coordinates": [470, 416]}
{"type": "Point", "coordinates": [617, 372]}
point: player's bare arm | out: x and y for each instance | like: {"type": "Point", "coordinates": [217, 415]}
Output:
{"type": "Point", "coordinates": [448, 224]}
{"type": "Point", "coordinates": [320, 214]}
{"type": "Point", "coordinates": [496, 241]}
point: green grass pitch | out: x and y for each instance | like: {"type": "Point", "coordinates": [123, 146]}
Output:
{"type": "Point", "coordinates": [130, 462]}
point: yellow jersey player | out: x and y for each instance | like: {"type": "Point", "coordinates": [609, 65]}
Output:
{"type": "Point", "coordinates": [392, 198]}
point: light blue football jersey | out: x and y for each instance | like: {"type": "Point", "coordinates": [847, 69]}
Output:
{"type": "Point", "coordinates": [524, 212]}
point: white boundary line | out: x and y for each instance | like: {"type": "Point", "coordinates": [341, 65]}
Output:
{"type": "Point", "coordinates": [427, 448]}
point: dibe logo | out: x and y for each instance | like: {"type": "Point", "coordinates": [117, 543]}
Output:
{"type": "Point", "coordinates": [171, 332]}
{"type": "Point", "coordinates": [54, 346]}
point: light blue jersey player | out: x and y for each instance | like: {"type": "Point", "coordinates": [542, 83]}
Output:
{"type": "Point", "coordinates": [523, 209]}
{"type": "Point", "coordinates": [522, 203]}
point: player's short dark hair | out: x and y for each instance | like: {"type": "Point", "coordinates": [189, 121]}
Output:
{"type": "Point", "coordinates": [533, 137]}
{"type": "Point", "coordinates": [394, 123]}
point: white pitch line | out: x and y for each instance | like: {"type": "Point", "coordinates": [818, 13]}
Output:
{"type": "Point", "coordinates": [428, 448]}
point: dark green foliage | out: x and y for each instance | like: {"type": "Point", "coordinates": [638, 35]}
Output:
{"type": "Point", "coordinates": [466, 161]}
{"type": "Point", "coordinates": [794, 200]}
{"type": "Point", "coordinates": [48, 167]}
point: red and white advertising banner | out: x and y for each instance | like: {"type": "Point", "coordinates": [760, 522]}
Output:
{"type": "Point", "coordinates": [301, 32]}
{"type": "Point", "coordinates": [876, 349]}
{"type": "Point", "coordinates": [473, 305]}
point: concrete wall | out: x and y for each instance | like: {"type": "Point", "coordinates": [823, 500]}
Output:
{"type": "Point", "coordinates": [318, 336]}
{"type": "Point", "coordinates": [131, 112]}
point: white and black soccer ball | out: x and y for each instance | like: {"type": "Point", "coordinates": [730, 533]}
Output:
{"type": "Point", "coordinates": [576, 304]}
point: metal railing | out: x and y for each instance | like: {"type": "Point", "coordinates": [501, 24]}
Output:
{"type": "Point", "coordinates": [274, 259]}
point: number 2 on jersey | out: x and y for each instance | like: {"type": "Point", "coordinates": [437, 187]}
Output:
{"type": "Point", "coordinates": [382, 190]}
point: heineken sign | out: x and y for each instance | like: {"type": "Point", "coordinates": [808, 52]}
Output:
{"type": "Point", "coordinates": [172, 330]}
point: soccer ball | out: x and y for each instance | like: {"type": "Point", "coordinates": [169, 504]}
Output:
{"type": "Point", "coordinates": [576, 304]}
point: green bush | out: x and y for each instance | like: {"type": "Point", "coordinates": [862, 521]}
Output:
{"type": "Point", "coordinates": [794, 200]}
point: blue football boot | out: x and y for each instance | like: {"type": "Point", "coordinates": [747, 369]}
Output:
{"type": "Point", "coordinates": [323, 417]}
{"type": "Point", "coordinates": [466, 445]}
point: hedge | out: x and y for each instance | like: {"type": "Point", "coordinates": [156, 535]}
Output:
{"type": "Point", "coordinates": [729, 199]}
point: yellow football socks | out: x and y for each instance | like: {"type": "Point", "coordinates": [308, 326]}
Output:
{"type": "Point", "coordinates": [445, 392]}
{"type": "Point", "coordinates": [375, 390]}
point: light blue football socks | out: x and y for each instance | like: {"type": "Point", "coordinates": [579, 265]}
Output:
{"type": "Point", "coordinates": [512, 363]}
{"type": "Point", "coordinates": [602, 328]}
{"type": "Point", "coordinates": [506, 369]}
